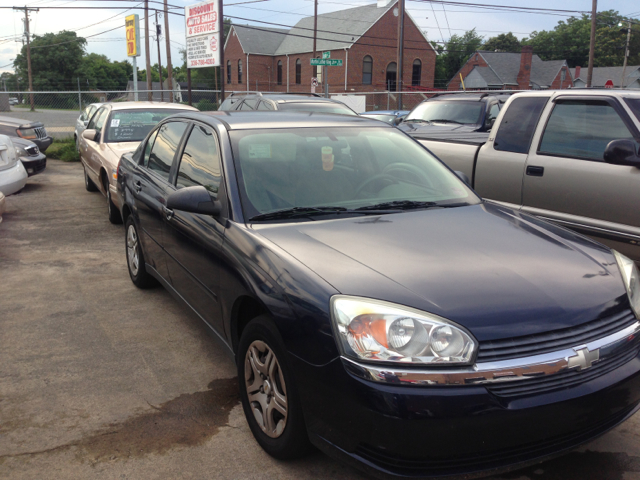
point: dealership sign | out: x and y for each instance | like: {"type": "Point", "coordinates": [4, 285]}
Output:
{"type": "Point", "coordinates": [203, 34]}
{"type": "Point", "coordinates": [132, 25]}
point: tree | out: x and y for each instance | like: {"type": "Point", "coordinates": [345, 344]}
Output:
{"type": "Point", "coordinates": [456, 52]}
{"type": "Point", "coordinates": [569, 40]}
{"type": "Point", "coordinates": [505, 42]}
{"type": "Point", "coordinates": [98, 72]}
{"type": "Point", "coordinates": [55, 60]}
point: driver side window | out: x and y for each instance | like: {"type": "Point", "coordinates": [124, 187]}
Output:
{"type": "Point", "coordinates": [95, 118]}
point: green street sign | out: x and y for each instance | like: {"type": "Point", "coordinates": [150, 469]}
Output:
{"type": "Point", "coordinates": [328, 62]}
{"type": "Point", "coordinates": [326, 54]}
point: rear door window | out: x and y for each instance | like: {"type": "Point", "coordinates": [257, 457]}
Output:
{"type": "Point", "coordinates": [249, 104]}
{"type": "Point", "coordinates": [264, 105]}
{"type": "Point", "coordinates": [147, 148]}
{"type": "Point", "coordinates": [165, 146]}
{"type": "Point", "coordinates": [582, 129]}
{"type": "Point", "coordinates": [518, 124]}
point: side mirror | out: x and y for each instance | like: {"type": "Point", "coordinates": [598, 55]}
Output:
{"type": "Point", "coordinates": [463, 176]}
{"type": "Point", "coordinates": [399, 120]}
{"type": "Point", "coordinates": [86, 122]}
{"type": "Point", "coordinates": [622, 152]}
{"type": "Point", "coordinates": [194, 200]}
{"type": "Point", "coordinates": [490, 122]}
{"type": "Point", "coordinates": [90, 134]}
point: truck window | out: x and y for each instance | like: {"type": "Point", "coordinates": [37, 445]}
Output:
{"type": "Point", "coordinates": [634, 105]}
{"type": "Point", "coordinates": [518, 124]}
{"type": "Point", "coordinates": [582, 129]}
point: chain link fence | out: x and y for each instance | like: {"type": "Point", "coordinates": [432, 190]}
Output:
{"type": "Point", "coordinates": [58, 111]}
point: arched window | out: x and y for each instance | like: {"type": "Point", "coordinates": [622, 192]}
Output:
{"type": "Point", "coordinates": [392, 68]}
{"type": "Point", "coordinates": [228, 71]}
{"type": "Point", "coordinates": [279, 72]}
{"type": "Point", "coordinates": [298, 72]}
{"type": "Point", "coordinates": [239, 71]}
{"type": "Point", "coordinates": [417, 73]}
{"type": "Point", "coordinates": [367, 70]}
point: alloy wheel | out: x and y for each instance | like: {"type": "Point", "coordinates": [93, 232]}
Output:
{"type": "Point", "coordinates": [266, 389]}
{"type": "Point", "coordinates": [132, 250]}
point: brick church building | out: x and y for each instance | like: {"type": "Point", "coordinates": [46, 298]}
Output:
{"type": "Point", "coordinates": [364, 38]}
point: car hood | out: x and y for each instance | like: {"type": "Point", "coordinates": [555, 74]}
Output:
{"type": "Point", "coordinates": [17, 122]}
{"type": "Point", "coordinates": [493, 270]}
{"type": "Point", "coordinates": [22, 142]}
{"type": "Point", "coordinates": [416, 128]}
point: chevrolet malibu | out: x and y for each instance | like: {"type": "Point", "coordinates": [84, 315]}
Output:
{"type": "Point", "coordinates": [375, 306]}
{"type": "Point", "coordinates": [116, 128]}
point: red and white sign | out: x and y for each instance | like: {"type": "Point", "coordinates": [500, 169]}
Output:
{"type": "Point", "coordinates": [608, 84]}
{"type": "Point", "coordinates": [203, 34]}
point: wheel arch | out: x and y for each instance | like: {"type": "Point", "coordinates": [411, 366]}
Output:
{"type": "Point", "coordinates": [245, 308]}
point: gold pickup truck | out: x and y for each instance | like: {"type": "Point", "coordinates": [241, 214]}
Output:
{"type": "Point", "coordinates": [568, 156]}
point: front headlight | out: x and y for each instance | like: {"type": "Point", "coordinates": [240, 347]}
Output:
{"type": "Point", "coordinates": [631, 278]}
{"type": "Point", "coordinates": [21, 152]}
{"type": "Point", "coordinates": [374, 330]}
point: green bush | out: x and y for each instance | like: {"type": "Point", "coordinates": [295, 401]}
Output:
{"type": "Point", "coordinates": [63, 149]}
{"type": "Point", "coordinates": [206, 105]}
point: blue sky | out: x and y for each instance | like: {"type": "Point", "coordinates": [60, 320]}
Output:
{"type": "Point", "coordinates": [451, 20]}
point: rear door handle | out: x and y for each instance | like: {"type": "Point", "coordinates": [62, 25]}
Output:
{"type": "Point", "coordinates": [535, 171]}
{"type": "Point", "coordinates": [137, 186]}
{"type": "Point", "coordinates": [167, 212]}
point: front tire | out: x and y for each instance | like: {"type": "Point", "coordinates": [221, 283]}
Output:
{"type": "Point", "coordinates": [112, 211]}
{"type": "Point", "coordinates": [88, 183]}
{"type": "Point", "coordinates": [268, 392]}
{"type": "Point", "coordinates": [135, 258]}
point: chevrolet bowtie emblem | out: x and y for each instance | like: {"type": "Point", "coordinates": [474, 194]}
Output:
{"type": "Point", "coordinates": [584, 358]}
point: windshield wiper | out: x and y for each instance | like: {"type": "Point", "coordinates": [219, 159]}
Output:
{"type": "Point", "coordinates": [409, 204]}
{"type": "Point", "coordinates": [444, 120]}
{"type": "Point", "coordinates": [417, 120]}
{"type": "Point", "coordinates": [295, 212]}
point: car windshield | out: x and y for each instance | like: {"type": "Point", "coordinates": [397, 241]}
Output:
{"type": "Point", "coordinates": [382, 118]}
{"type": "Point", "coordinates": [352, 168]}
{"type": "Point", "coordinates": [455, 111]}
{"type": "Point", "coordinates": [319, 107]}
{"type": "Point", "coordinates": [133, 125]}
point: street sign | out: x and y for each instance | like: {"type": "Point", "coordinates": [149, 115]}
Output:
{"type": "Point", "coordinates": [314, 81]}
{"type": "Point", "coordinates": [609, 84]}
{"type": "Point", "coordinates": [203, 34]}
{"type": "Point", "coordinates": [132, 27]}
{"type": "Point", "coordinates": [322, 62]}
{"type": "Point", "coordinates": [326, 54]}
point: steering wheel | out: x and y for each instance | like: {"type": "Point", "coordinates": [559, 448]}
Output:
{"type": "Point", "coordinates": [379, 176]}
{"type": "Point", "coordinates": [408, 168]}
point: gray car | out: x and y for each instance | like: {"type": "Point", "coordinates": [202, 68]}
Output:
{"type": "Point", "coordinates": [27, 130]}
{"type": "Point", "coordinates": [285, 102]}
{"type": "Point", "coordinates": [83, 120]}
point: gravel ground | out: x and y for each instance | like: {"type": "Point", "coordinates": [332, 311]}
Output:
{"type": "Point", "coordinates": [101, 380]}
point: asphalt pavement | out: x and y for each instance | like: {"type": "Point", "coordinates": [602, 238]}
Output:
{"type": "Point", "coordinates": [101, 380]}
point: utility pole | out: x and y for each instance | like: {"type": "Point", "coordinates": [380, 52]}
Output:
{"type": "Point", "coordinates": [147, 50]}
{"type": "Point", "coordinates": [28, 35]}
{"type": "Point", "coordinates": [592, 43]}
{"type": "Point", "coordinates": [626, 53]}
{"type": "Point", "coordinates": [315, 34]}
{"type": "Point", "coordinates": [222, 64]}
{"type": "Point", "coordinates": [158, 33]}
{"type": "Point", "coordinates": [400, 69]}
{"type": "Point", "coordinates": [169, 66]}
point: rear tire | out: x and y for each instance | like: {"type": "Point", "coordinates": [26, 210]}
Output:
{"type": "Point", "coordinates": [88, 183]}
{"type": "Point", "coordinates": [268, 391]}
{"type": "Point", "coordinates": [135, 258]}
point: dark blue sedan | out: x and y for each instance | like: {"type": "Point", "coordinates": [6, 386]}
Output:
{"type": "Point", "coordinates": [376, 307]}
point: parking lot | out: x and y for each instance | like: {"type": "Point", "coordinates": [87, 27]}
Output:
{"type": "Point", "coordinates": [99, 379]}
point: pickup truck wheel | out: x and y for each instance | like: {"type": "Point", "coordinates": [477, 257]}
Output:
{"type": "Point", "coordinates": [268, 392]}
{"type": "Point", "coordinates": [135, 257]}
{"type": "Point", "coordinates": [88, 183]}
{"type": "Point", "coordinates": [112, 210]}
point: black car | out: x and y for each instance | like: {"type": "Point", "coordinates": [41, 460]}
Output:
{"type": "Point", "coordinates": [457, 112]}
{"type": "Point", "coordinates": [376, 307]}
{"type": "Point", "coordinates": [284, 102]}
{"type": "Point", "coordinates": [33, 131]}
{"type": "Point", "coordinates": [33, 160]}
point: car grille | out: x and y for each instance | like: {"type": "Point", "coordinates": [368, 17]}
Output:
{"type": "Point", "coordinates": [529, 345]}
{"type": "Point", "coordinates": [564, 379]}
{"type": "Point", "coordinates": [40, 132]}
{"type": "Point", "coordinates": [456, 464]}
{"type": "Point", "coordinates": [32, 151]}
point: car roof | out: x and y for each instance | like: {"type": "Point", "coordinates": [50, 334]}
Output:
{"type": "Point", "coordinates": [468, 96]}
{"type": "Point", "coordinates": [148, 105]}
{"type": "Point", "coordinates": [283, 97]}
{"type": "Point", "coordinates": [249, 120]}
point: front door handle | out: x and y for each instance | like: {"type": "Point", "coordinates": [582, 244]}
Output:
{"type": "Point", "coordinates": [137, 186]}
{"type": "Point", "coordinates": [167, 212]}
{"type": "Point", "coordinates": [535, 171]}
